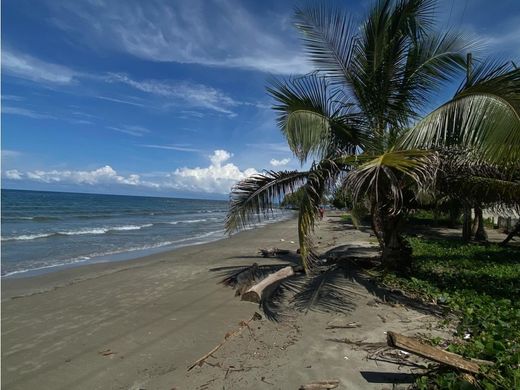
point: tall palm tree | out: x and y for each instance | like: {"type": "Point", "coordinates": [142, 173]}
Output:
{"type": "Point", "coordinates": [352, 115]}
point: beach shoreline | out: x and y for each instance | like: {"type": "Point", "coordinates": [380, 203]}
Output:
{"type": "Point", "coordinates": [139, 324]}
{"type": "Point", "coordinates": [137, 254]}
{"type": "Point", "coordinates": [57, 300]}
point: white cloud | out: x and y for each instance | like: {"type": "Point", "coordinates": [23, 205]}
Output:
{"type": "Point", "coordinates": [217, 178]}
{"type": "Point", "coordinates": [136, 131]}
{"type": "Point", "coordinates": [30, 68]}
{"type": "Point", "coordinates": [12, 97]}
{"type": "Point", "coordinates": [180, 148]}
{"type": "Point", "coordinates": [122, 101]}
{"type": "Point", "coordinates": [279, 163]}
{"type": "Point", "coordinates": [211, 33]}
{"type": "Point", "coordinates": [13, 174]}
{"type": "Point", "coordinates": [25, 112]}
{"type": "Point", "coordinates": [103, 175]}
{"type": "Point", "coordinates": [190, 94]}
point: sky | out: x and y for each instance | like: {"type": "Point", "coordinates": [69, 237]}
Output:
{"type": "Point", "coordinates": [166, 98]}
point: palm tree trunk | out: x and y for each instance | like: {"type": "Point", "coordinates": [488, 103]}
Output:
{"type": "Point", "coordinates": [512, 233]}
{"type": "Point", "coordinates": [474, 225]}
{"type": "Point", "coordinates": [377, 223]}
{"type": "Point", "coordinates": [387, 228]}
{"type": "Point", "coordinates": [396, 251]}
{"type": "Point", "coordinates": [466, 225]}
{"type": "Point", "coordinates": [480, 233]}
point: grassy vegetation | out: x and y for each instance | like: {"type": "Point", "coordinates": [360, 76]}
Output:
{"type": "Point", "coordinates": [481, 285]}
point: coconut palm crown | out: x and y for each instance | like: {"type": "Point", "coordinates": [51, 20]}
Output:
{"type": "Point", "coordinates": [359, 119]}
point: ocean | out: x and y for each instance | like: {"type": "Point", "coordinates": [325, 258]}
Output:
{"type": "Point", "coordinates": [47, 231]}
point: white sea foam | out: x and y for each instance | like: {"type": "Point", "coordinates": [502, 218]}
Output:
{"type": "Point", "coordinates": [25, 237]}
{"type": "Point", "coordinates": [191, 221]}
{"type": "Point", "coordinates": [99, 230]}
{"type": "Point", "coordinates": [195, 240]}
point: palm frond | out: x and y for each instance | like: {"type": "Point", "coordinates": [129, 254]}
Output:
{"type": "Point", "coordinates": [321, 177]}
{"type": "Point", "coordinates": [386, 175]}
{"type": "Point", "coordinates": [253, 198]}
{"type": "Point", "coordinates": [329, 36]}
{"type": "Point", "coordinates": [274, 296]}
{"type": "Point", "coordinates": [484, 115]}
{"type": "Point", "coordinates": [465, 177]}
{"type": "Point", "coordinates": [314, 118]}
{"type": "Point", "coordinates": [325, 290]}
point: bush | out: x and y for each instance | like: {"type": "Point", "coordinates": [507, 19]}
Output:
{"type": "Point", "coordinates": [481, 285]}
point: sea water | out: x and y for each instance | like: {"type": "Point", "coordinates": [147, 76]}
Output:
{"type": "Point", "coordinates": [45, 231]}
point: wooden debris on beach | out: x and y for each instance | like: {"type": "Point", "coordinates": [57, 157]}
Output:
{"type": "Point", "coordinates": [241, 280]}
{"type": "Point", "coordinates": [254, 294]}
{"type": "Point", "coordinates": [273, 252]}
{"type": "Point", "coordinates": [320, 385]}
{"type": "Point", "coordinates": [451, 359]}
{"type": "Point", "coordinates": [346, 326]}
{"type": "Point", "coordinates": [243, 324]}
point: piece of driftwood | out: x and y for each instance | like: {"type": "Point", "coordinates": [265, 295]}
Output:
{"type": "Point", "coordinates": [451, 359]}
{"type": "Point", "coordinates": [254, 294]}
{"type": "Point", "coordinates": [243, 324]}
{"type": "Point", "coordinates": [320, 385]}
{"type": "Point", "coordinates": [273, 252]}
{"type": "Point", "coordinates": [346, 326]}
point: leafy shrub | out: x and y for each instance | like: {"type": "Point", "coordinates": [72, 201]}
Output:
{"type": "Point", "coordinates": [482, 286]}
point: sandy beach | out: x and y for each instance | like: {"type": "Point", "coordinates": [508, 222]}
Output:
{"type": "Point", "coordinates": [139, 324]}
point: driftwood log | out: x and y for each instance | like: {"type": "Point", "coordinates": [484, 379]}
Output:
{"type": "Point", "coordinates": [254, 294]}
{"type": "Point", "coordinates": [320, 385]}
{"type": "Point", "coordinates": [417, 347]}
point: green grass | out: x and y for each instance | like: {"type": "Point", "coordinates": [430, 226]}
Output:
{"type": "Point", "coordinates": [481, 285]}
{"type": "Point", "coordinates": [346, 218]}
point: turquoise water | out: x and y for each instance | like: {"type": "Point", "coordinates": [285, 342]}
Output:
{"type": "Point", "coordinates": [49, 230]}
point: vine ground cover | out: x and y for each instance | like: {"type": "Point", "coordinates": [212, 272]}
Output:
{"type": "Point", "coordinates": [481, 286]}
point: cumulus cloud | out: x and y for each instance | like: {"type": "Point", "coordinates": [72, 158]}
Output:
{"type": "Point", "coordinates": [217, 178]}
{"type": "Point", "coordinates": [31, 68]}
{"type": "Point", "coordinates": [207, 32]}
{"type": "Point", "coordinates": [103, 175]}
{"type": "Point", "coordinates": [13, 174]}
{"type": "Point", "coordinates": [279, 163]}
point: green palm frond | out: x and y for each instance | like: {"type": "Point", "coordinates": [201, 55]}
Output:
{"type": "Point", "coordinates": [321, 177]}
{"type": "Point", "coordinates": [328, 36]}
{"type": "Point", "coordinates": [431, 62]}
{"type": "Point", "coordinates": [484, 115]}
{"type": "Point", "coordinates": [386, 175]}
{"type": "Point", "coordinates": [325, 290]}
{"type": "Point", "coordinates": [252, 198]}
{"type": "Point", "coordinates": [314, 118]}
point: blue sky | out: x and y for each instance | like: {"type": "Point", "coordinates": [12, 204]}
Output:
{"type": "Point", "coordinates": [165, 97]}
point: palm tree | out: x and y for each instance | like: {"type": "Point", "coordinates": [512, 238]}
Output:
{"type": "Point", "coordinates": [352, 116]}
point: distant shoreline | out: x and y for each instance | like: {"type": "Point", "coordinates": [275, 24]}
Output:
{"type": "Point", "coordinates": [124, 256]}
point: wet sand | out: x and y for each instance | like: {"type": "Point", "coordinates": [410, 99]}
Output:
{"type": "Point", "coordinates": [139, 324]}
